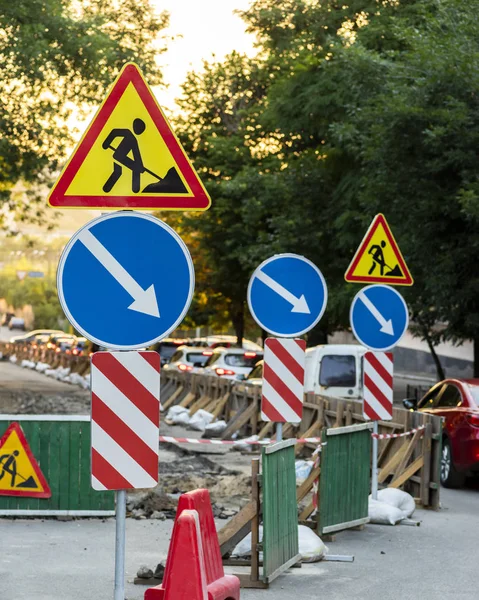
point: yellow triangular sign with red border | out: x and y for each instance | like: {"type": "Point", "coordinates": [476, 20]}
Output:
{"type": "Point", "coordinates": [378, 258]}
{"type": "Point", "coordinates": [20, 474]}
{"type": "Point", "coordinates": [129, 157]}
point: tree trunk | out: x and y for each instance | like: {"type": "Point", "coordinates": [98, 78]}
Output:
{"type": "Point", "coordinates": [439, 370]}
{"type": "Point", "coordinates": [237, 317]}
{"type": "Point", "coordinates": [476, 357]}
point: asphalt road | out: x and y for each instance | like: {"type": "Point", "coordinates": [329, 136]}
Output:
{"type": "Point", "coordinates": [52, 560]}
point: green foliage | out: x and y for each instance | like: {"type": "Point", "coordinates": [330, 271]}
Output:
{"type": "Point", "coordinates": [352, 108]}
{"type": "Point", "coordinates": [57, 58]}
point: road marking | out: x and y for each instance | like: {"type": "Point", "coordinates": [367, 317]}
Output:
{"type": "Point", "coordinates": [145, 301]}
{"type": "Point", "coordinates": [386, 326]}
{"type": "Point", "coordinates": [299, 304]}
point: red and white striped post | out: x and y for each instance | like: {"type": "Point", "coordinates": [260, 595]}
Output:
{"type": "Point", "coordinates": [378, 400]}
{"type": "Point", "coordinates": [283, 382]}
{"type": "Point", "coordinates": [125, 427]}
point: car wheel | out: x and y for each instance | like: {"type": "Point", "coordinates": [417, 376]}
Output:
{"type": "Point", "coordinates": [450, 476]}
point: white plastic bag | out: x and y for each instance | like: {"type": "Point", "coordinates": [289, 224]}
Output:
{"type": "Point", "coordinates": [399, 499]}
{"type": "Point", "coordinates": [303, 469]}
{"type": "Point", "coordinates": [200, 420]}
{"type": "Point", "coordinates": [215, 429]}
{"type": "Point", "coordinates": [383, 514]}
{"type": "Point", "coordinates": [311, 547]}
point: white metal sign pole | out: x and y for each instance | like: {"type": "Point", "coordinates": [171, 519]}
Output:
{"type": "Point", "coordinates": [120, 541]}
{"type": "Point", "coordinates": [374, 478]}
{"type": "Point", "coordinates": [279, 432]}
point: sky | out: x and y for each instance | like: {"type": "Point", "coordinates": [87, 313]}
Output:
{"type": "Point", "coordinates": [206, 27]}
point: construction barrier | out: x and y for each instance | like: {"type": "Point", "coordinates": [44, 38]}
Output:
{"type": "Point", "coordinates": [345, 479]}
{"type": "Point", "coordinates": [280, 513]}
{"type": "Point", "coordinates": [410, 463]}
{"type": "Point", "coordinates": [194, 569]}
{"type": "Point", "coordinates": [60, 444]}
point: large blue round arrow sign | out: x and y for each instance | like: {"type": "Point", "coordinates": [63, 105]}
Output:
{"type": "Point", "coordinates": [125, 280]}
{"type": "Point", "coordinates": [379, 317]}
{"type": "Point", "coordinates": [287, 295]}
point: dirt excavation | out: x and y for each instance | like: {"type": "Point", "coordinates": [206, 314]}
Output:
{"type": "Point", "coordinates": [181, 471]}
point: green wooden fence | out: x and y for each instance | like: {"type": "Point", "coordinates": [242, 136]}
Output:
{"type": "Point", "coordinates": [280, 516]}
{"type": "Point", "coordinates": [61, 446]}
{"type": "Point", "coordinates": [344, 483]}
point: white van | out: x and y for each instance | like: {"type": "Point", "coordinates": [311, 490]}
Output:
{"type": "Point", "coordinates": [335, 370]}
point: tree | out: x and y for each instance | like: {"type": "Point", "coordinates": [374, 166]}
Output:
{"type": "Point", "coordinates": [58, 57]}
{"type": "Point", "coordinates": [387, 95]}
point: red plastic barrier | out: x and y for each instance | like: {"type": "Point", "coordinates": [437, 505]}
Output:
{"type": "Point", "coordinates": [196, 553]}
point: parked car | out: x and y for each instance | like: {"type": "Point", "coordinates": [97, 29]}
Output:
{"type": "Point", "coordinates": [60, 340]}
{"type": "Point", "coordinates": [188, 359]}
{"type": "Point", "coordinates": [457, 400]}
{"type": "Point", "coordinates": [81, 347]}
{"type": "Point", "coordinates": [255, 378]}
{"type": "Point", "coordinates": [16, 323]}
{"type": "Point", "coordinates": [167, 347]}
{"type": "Point", "coordinates": [225, 341]}
{"type": "Point", "coordinates": [31, 336]}
{"type": "Point", "coordinates": [231, 362]}
{"type": "Point", "coordinates": [335, 370]}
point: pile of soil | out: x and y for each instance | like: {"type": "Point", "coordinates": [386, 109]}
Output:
{"type": "Point", "coordinates": [32, 403]}
{"type": "Point", "coordinates": [182, 471]}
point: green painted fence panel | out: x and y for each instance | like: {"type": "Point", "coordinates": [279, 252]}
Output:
{"type": "Point", "coordinates": [280, 513]}
{"type": "Point", "coordinates": [344, 484]}
{"type": "Point", "coordinates": [61, 446]}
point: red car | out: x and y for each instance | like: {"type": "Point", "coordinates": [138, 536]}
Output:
{"type": "Point", "coordinates": [457, 400]}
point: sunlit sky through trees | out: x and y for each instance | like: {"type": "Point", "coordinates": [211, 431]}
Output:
{"type": "Point", "coordinates": [207, 27]}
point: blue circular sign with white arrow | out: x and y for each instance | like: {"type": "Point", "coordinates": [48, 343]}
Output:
{"type": "Point", "coordinates": [125, 280]}
{"type": "Point", "coordinates": [379, 317]}
{"type": "Point", "coordinates": [287, 295]}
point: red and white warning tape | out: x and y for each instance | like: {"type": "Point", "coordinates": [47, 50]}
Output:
{"type": "Point", "coordinates": [388, 436]}
{"type": "Point", "coordinates": [246, 442]}
{"type": "Point", "coordinates": [166, 438]}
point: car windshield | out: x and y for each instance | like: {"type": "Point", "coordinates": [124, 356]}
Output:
{"type": "Point", "coordinates": [197, 358]}
{"type": "Point", "coordinates": [338, 371]}
{"type": "Point", "coordinates": [256, 373]}
{"type": "Point", "coordinates": [474, 389]}
{"type": "Point", "coordinates": [167, 350]}
{"type": "Point", "coordinates": [242, 360]}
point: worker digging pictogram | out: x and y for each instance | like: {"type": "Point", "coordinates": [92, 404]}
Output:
{"type": "Point", "coordinates": [20, 474]}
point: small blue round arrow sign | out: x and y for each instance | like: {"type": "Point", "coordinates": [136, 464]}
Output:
{"type": "Point", "coordinates": [287, 295]}
{"type": "Point", "coordinates": [379, 317]}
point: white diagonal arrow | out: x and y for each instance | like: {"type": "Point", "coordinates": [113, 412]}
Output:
{"type": "Point", "coordinates": [144, 300]}
{"type": "Point", "coordinates": [386, 326]}
{"type": "Point", "coordinates": [299, 304]}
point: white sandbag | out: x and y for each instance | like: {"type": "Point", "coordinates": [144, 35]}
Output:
{"type": "Point", "coordinates": [200, 420]}
{"type": "Point", "coordinates": [383, 514]}
{"type": "Point", "coordinates": [215, 429]}
{"type": "Point", "coordinates": [50, 372]}
{"type": "Point", "coordinates": [1, 355]}
{"type": "Point", "coordinates": [399, 499]}
{"type": "Point", "coordinates": [311, 546]}
{"type": "Point", "coordinates": [178, 415]}
{"type": "Point", "coordinates": [13, 359]}
{"type": "Point", "coordinates": [303, 469]}
{"type": "Point", "coordinates": [42, 367]}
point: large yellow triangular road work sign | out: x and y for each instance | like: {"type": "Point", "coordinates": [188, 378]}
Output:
{"type": "Point", "coordinates": [378, 258]}
{"type": "Point", "coordinates": [129, 157]}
